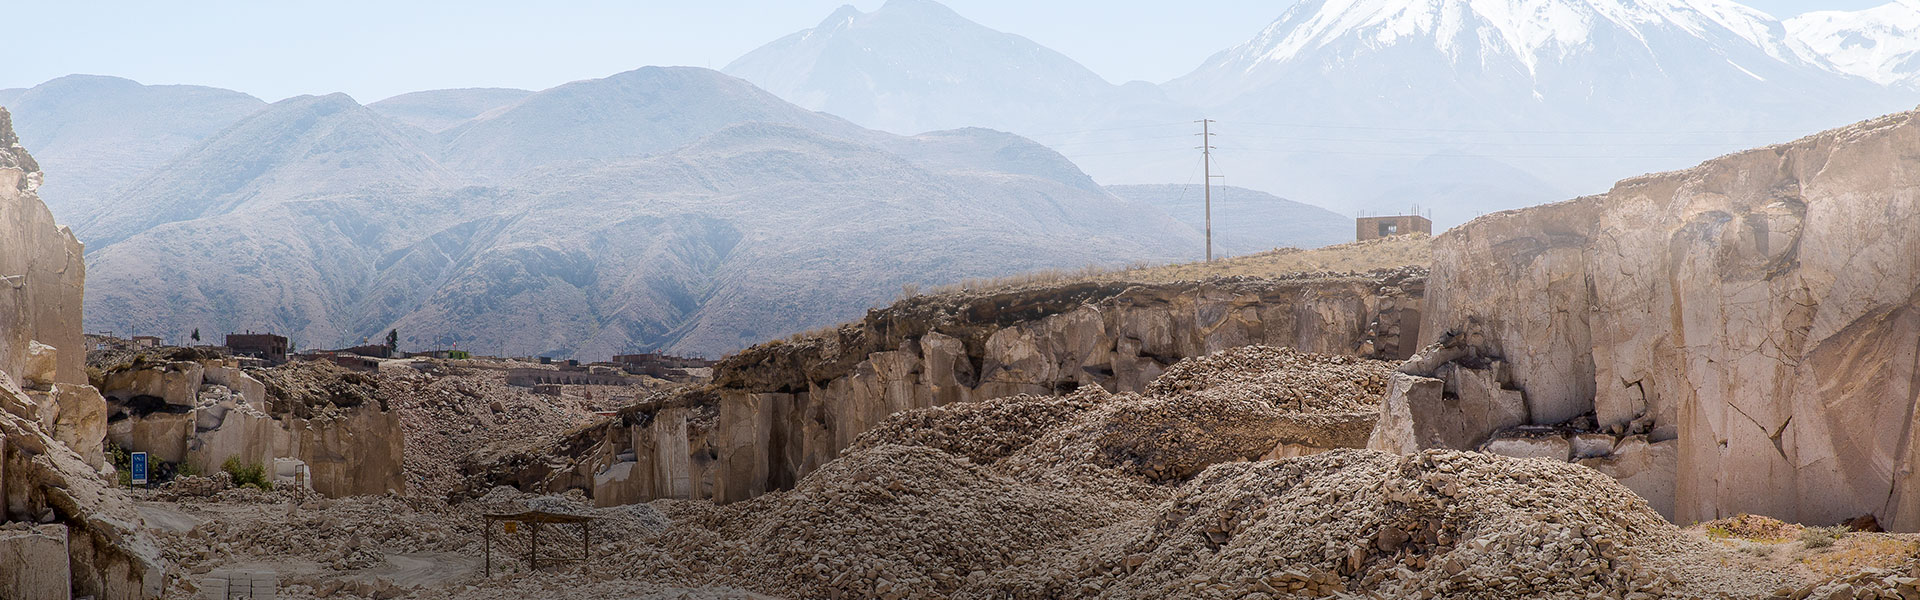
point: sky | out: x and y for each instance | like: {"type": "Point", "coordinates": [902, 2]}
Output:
{"type": "Point", "coordinates": [377, 49]}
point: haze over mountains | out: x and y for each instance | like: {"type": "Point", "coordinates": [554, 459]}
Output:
{"type": "Point", "coordinates": [681, 209]}
{"type": "Point", "coordinates": [1462, 107]}
{"type": "Point", "coordinates": [700, 215]}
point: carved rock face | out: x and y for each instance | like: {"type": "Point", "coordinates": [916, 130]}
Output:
{"type": "Point", "coordinates": [1762, 309]}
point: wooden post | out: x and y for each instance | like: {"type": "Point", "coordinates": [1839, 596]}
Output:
{"type": "Point", "coordinates": [586, 532]}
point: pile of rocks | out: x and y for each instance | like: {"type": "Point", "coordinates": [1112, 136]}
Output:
{"type": "Point", "coordinates": [1901, 582]}
{"type": "Point", "coordinates": [452, 412]}
{"type": "Point", "coordinates": [985, 431]}
{"type": "Point", "coordinates": [1299, 382]}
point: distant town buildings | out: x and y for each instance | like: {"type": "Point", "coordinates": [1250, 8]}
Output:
{"type": "Point", "coordinates": [264, 346]}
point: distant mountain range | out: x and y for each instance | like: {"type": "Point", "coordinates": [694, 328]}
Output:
{"type": "Point", "coordinates": [93, 133]}
{"type": "Point", "coordinates": [662, 208]}
{"type": "Point", "coordinates": [1459, 106]}
{"type": "Point", "coordinates": [682, 209]}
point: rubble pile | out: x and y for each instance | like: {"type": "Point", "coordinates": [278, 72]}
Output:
{"type": "Point", "coordinates": [887, 522]}
{"type": "Point", "coordinates": [308, 389]}
{"type": "Point", "coordinates": [1898, 582]}
{"type": "Point", "coordinates": [452, 412]}
{"type": "Point", "coordinates": [1072, 510]}
{"type": "Point", "coordinates": [1154, 439]}
{"type": "Point", "coordinates": [982, 432]}
{"type": "Point", "coordinates": [1300, 382]}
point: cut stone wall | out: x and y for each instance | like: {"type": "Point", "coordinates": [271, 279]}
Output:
{"type": "Point", "coordinates": [780, 411]}
{"type": "Point", "coordinates": [1760, 312]}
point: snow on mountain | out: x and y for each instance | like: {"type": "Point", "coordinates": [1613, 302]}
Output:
{"type": "Point", "coordinates": [1880, 44]}
{"type": "Point", "coordinates": [1534, 37]}
{"type": "Point", "coordinates": [1528, 30]}
{"type": "Point", "coordinates": [1573, 94]}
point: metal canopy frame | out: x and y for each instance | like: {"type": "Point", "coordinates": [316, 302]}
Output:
{"type": "Point", "coordinates": [535, 520]}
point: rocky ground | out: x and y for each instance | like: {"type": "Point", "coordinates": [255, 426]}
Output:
{"type": "Point", "coordinates": [1168, 493]}
{"type": "Point", "coordinates": [1154, 495]}
{"type": "Point", "coordinates": [452, 411]}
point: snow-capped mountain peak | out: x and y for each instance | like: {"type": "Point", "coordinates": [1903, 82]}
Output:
{"type": "Point", "coordinates": [1881, 44]}
{"type": "Point", "coordinates": [1530, 31]}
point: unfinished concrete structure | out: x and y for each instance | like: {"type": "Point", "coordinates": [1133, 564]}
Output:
{"type": "Point", "coordinates": [264, 346]}
{"type": "Point", "coordinates": [1373, 228]}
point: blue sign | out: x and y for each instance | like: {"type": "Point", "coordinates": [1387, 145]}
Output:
{"type": "Point", "coordinates": [139, 468]}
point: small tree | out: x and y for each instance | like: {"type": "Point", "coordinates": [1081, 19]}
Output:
{"type": "Point", "coordinates": [393, 339]}
{"type": "Point", "coordinates": [196, 334]}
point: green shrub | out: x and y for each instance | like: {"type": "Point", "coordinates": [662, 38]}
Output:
{"type": "Point", "coordinates": [122, 463]}
{"type": "Point", "coordinates": [1821, 537]}
{"type": "Point", "coordinates": [247, 474]}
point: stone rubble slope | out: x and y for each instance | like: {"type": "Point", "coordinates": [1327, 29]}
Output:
{"type": "Point", "coordinates": [1300, 382]}
{"type": "Point", "coordinates": [893, 521]}
{"type": "Point", "coordinates": [1138, 497]}
{"type": "Point", "coordinates": [451, 413]}
{"type": "Point", "coordinates": [1087, 495]}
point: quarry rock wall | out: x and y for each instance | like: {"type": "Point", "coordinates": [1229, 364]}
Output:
{"type": "Point", "coordinates": [42, 274]}
{"type": "Point", "coordinates": [204, 412]}
{"type": "Point", "coordinates": [64, 529]}
{"type": "Point", "coordinates": [779, 411]}
{"type": "Point", "coordinates": [1755, 319]}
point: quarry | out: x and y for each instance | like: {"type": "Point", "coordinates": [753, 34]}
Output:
{"type": "Point", "coordinates": [1700, 384]}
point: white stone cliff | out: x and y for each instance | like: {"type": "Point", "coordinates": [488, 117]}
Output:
{"type": "Point", "coordinates": [1749, 329]}
{"type": "Point", "coordinates": [63, 527]}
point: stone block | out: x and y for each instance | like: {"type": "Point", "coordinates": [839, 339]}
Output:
{"type": "Point", "coordinates": [1551, 447]}
{"type": "Point", "coordinates": [33, 561]}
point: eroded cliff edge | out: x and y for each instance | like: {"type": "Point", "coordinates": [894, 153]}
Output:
{"type": "Point", "coordinates": [1760, 313]}
{"type": "Point", "coordinates": [780, 410]}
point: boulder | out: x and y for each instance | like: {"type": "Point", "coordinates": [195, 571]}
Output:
{"type": "Point", "coordinates": [1591, 445]}
{"type": "Point", "coordinates": [34, 558]}
{"type": "Point", "coordinates": [82, 421]}
{"type": "Point", "coordinates": [1550, 447]}
{"type": "Point", "coordinates": [1421, 412]}
{"type": "Point", "coordinates": [108, 553]}
{"type": "Point", "coordinates": [176, 383]}
{"type": "Point", "coordinates": [1408, 422]}
{"type": "Point", "coordinates": [1645, 467]}
{"type": "Point", "coordinates": [43, 366]}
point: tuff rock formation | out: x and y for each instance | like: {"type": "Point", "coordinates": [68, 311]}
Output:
{"type": "Point", "coordinates": [781, 410]}
{"type": "Point", "coordinates": [207, 411]}
{"type": "Point", "coordinates": [1748, 330]}
{"type": "Point", "coordinates": [86, 538]}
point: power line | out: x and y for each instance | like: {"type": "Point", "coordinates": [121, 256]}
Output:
{"type": "Point", "coordinates": [1525, 132]}
{"type": "Point", "coordinates": [1124, 128]}
{"type": "Point", "coordinates": [1516, 144]}
{"type": "Point", "coordinates": [1310, 151]}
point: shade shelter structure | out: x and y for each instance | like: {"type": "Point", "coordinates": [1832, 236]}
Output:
{"type": "Point", "coordinates": [558, 549]}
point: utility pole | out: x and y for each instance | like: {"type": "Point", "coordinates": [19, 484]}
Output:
{"type": "Point", "coordinates": [1206, 160]}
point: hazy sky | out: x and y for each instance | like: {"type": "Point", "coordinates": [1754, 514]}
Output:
{"type": "Point", "coordinates": [376, 49]}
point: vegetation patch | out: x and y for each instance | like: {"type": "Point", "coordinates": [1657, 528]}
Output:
{"type": "Point", "coordinates": [1857, 552]}
{"type": "Point", "coordinates": [1752, 528]}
